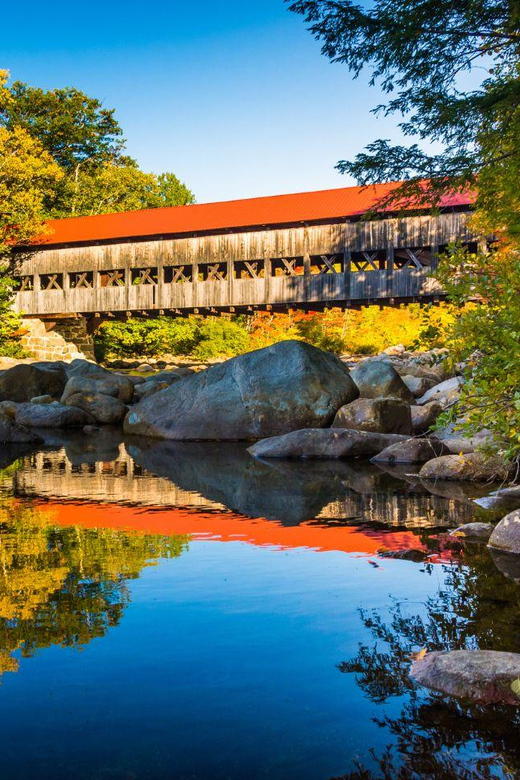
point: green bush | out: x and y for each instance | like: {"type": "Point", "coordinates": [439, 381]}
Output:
{"type": "Point", "coordinates": [221, 338]}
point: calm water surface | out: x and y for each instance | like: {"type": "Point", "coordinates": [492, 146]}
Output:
{"type": "Point", "coordinates": [185, 612]}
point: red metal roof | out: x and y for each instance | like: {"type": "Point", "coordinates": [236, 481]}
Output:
{"type": "Point", "coordinates": [233, 214]}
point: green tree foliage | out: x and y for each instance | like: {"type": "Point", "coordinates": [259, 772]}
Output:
{"type": "Point", "coordinates": [428, 57]}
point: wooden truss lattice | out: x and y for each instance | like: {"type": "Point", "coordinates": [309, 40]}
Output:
{"type": "Point", "coordinates": [115, 279]}
{"type": "Point", "coordinates": [216, 272]}
{"type": "Point", "coordinates": [179, 276]}
{"type": "Point", "coordinates": [326, 264]}
{"type": "Point", "coordinates": [252, 270]}
{"type": "Point", "coordinates": [83, 280]}
{"type": "Point", "coordinates": [146, 276]}
{"type": "Point", "coordinates": [369, 261]}
{"type": "Point", "coordinates": [411, 260]}
{"type": "Point", "coordinates": [287, 266]}
{"type": "Point", "coordinates": [52, 282]}
{"type": "Point", "coordinates": [26, 284]}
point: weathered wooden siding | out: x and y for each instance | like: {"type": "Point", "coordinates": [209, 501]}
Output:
{"type": "Point", "coordinates": [347, 262]}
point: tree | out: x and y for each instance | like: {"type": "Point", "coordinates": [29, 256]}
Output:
{"type": "Point", "coordinates": [423, 54]}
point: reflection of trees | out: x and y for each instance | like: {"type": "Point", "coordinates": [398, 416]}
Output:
{"type": "Point", "coordinates": [65, 586]}
{"type": "Point", "coordinates": [435, 737]}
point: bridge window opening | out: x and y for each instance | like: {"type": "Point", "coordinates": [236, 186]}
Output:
{"type": "Point", "coordinates": [413, 259]}
{"type": "Point", "coordinates": [81, 279]}
{"type": "Point", "coordinates": [145, 275]}
{"type": "Point", "coordinates": [113, 278]}
{"type": "Point", "coordinates": [287, 266]}
{"type": "Point", "coordinates": [213, 272]}
{"type": "Point", "coordinates": [326, 264]}
{"type": "Point", "coordinates": [52, 281]}
{"type": "Point", "coordinates": [361, 262]}
{"type": "Point", "coordinates": [178, 274]}
{"type": "Point", "coordinates": [24, 284]}
{"type": "Point", "coordinates": [249, 269]}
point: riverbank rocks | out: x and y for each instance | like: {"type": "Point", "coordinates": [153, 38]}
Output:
{"type": "Point", "coordinates": [51, 416]}
{"type": "Point", "coordinates": [93, 372]}
{"type": "Point", "coordinates": [446, 393]}
{"type": "Point", "coordinates": [287, 386]}
{"type": "Point", "coordinates": [104, 409]}
{"type": "Point", "coordinates": [85, 384]}
{"type": "Point", "coordinates": [506, 536]}
{"type": "Point", "coordinates": [412, 451]}
{"type": "Point", "coordinates": [379, 379]}
{"type": "Point", "coordinates": [12, 433]}
{"type": "Point", "coordinates": [378, 415]}
{"type": "Point", "coordinates": [323, 444]}
{"type": "Point", "coordinates": [418, 385]}
{"type": "Point", "coordinates": [483, 676]}
{"type": "Point", "coordinates": [26, 381]}
{"type": "Point", "coordinates": [423, 417]}
{"type": "Point", "coordinates": [473, 532]}
{"type": "Point", "coordinates": [475, 467]}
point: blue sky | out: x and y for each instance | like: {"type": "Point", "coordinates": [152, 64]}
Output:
{"type": "Point", "coordinates": [233, 97]}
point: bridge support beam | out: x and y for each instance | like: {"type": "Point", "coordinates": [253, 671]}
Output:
{"type": "Point", "coordinates": [61, 339]}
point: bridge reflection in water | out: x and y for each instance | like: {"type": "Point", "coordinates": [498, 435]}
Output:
{"type": "Point", "coordinates": [210, 491]}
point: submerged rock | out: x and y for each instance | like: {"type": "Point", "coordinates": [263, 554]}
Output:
{"type": "Point", "coordinates": [324, 444]}
{"type": "Point", "coordinates": [506, 536]}
{"type": "Point", "coordinates": [13, 433]}
{"type": "Point", "coordinates": [475, 467]}
{"type": "Point", "coordinates": [378, 415]}
{"type": "Point", "coordinates": [483, 676]}
{"type": "Point", "coordinates": [477, 532]}
{"type": "Point", "coordinates": [412, 451]}
{"type": "Point", "coordinates": [379, 379]}
{"type": "Point", "coordinates": [285, 387]}
{"type": "Point", "coordinates": [26, 381]}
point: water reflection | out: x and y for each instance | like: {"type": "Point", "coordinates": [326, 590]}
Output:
{"type": "Point", "coordinates": [434, 736]}
{"type": "Point", "coordinates": [65, 586]}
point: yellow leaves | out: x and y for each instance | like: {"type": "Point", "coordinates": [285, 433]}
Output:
{"type": "Point", "coordinates": [515, 687]}
{"type": "Point", "coordinates": [421, 655]}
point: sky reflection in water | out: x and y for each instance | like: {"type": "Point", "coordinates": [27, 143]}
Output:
{"type": "Point", "coordinates": [183, 611]}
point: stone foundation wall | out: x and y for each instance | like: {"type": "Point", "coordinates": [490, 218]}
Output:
{"type": "Point", "coordinates": [63, 340]}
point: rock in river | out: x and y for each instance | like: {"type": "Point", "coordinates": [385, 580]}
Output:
{"type": "Point", "coordinates": [271, 391]}
{"type": "Point", "coordinates": [379, 415]}
{"type": "Point", "coordinates": [475, 467]}
{"type": "Point", "coordinates": [105, 409]}
{"type": "Point", "coordinates": [51, 416]}
{"type": "Point", "coordinates": [12, 433]}
{"type": "Point", "coordinates": [26, 381]}
{"type": "Point", "coordinates": [483, 676]}
{"type": "Point", "coordinates": [324, 444]}
{"type": "Point", "coordinates": [506, 536]}
{"type": "Point", "coordinates": [378, 379]}
{"type": "Point", "coordinates": [473, 532]}
{"type": "Point", "coordinates": [412, 451]}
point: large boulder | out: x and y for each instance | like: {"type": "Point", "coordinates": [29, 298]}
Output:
{"type": "Point", "coordinates": [26, 381]}
{"type": "Point", "coordinates": [12, 433]}
{"type": "Point", "coordinates": [475, 467]}
{"type": "Point", "coordinates": [446, 393]}
{"type": "Point", "coordinates": [418, 385]}
{"type": "Point", "coordinates": [271, 391]}
{"type": "Point", "coordinates": [412, 451]}
{"type": "Point", "coordinates": [423, 417]}
{"type": "Point", "coordinates": [105, 409]}
{"type": "Point", "coordinates": [379, 379]}
{"type": "Point", "coordinates": [483, 676]}
{"type": "Point", "coordinates": [51, 416]}
{"type": "Point", "coordinates": [506, 536]}
{"type": "Point", "coordinates": [379, 415]}
{"type": "Point", "coordinates": [324, 444]}
{"type": "Point", "coordinates": [473, 532]}
{"type": "Point", "coordinates": [83, 368]}
{"type": "Point", "coordinates": [86, 384]}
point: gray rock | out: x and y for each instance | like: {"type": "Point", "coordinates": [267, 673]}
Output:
{"type": "Point", "coordinates": [506, 536]}
{"type": "Point", "coordinates": [150, 388]}
{"type": "Point", "coordinates": [412, 451]}
{"type": "Point", "coordinates": [324, 444]}
{"type": "Point", "coordinates": [478, 532]}
{"type": "Point", "coordinates": [26, 381]}
{"type": "Point", "coordinates": [83, 368]}
{"type": "Point", "coordinates": [12, 433]}
{"type": "Point", "coordinates": [483, 676]}
{"type": "Point", "coordinates": [418, 385]}
{"type": "Point", "coordinates": [423, 417]}
{"type": "Point", "coordinates": [51, 416]}
{"type": "Point", "coordinates": [466, 445]}
{"type": "Point", "coordinates": [378, 415]}
{"type": "Point", "coordinates": [379, 379]}
{"type": "Point", "coordinates": [42, 399]}
{"type": "Point", "coordinates": [105, 409]}
{"type": "Point", "coordinates": [507, 564]}
{"type": "Point", "coordinates": [446, 393]}
{"type": "Point", "coordinates": [86, 384]}
{"type": "Point", "coordinates": [285, 387]}
{"type": "Point", "coordinates": [475, 467]}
